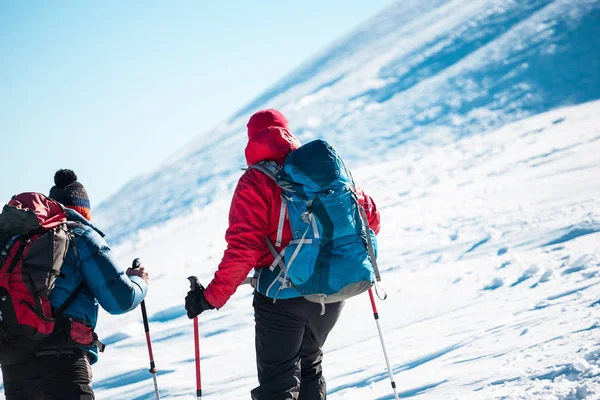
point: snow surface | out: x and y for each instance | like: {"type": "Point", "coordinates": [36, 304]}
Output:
{"type": "Point", "coordinates": [489, 254]}
{"type": "Point", "coordinates": [490, 212]}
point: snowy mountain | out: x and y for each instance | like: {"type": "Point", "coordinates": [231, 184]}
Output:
{"type": "Point", "coordinates": [418, 73]}
{"type": "Point", "coordinates": [475, 125]}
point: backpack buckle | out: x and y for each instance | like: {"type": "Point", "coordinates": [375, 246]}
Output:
{"type": "Point", "coordinates": [306, 216]}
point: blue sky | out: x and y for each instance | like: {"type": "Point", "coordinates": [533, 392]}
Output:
{"type": "Point", "coordinates": [112, 88]}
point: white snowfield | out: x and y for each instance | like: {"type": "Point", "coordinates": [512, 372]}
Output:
{"type": "Point", "coordinates": [489, 254]}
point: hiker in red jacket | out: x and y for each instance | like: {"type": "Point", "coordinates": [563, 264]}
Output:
{"type": "Point", "coordinates": [290, 333]}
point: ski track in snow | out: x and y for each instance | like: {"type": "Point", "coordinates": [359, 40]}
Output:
{"type": "Point", "coordinates": [490, 213]}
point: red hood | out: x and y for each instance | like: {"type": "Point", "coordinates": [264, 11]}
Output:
{"type": "Point", "coordinates": [263, 119]}
{"type": "Point", "coordinates": [271, 144]}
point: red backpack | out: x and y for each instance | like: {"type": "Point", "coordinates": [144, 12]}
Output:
{"type": "Point", "coordinates": [34, 239]}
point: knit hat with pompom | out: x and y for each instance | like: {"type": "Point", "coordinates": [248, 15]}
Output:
{"type": "Point", "coordinates": [70, 193]}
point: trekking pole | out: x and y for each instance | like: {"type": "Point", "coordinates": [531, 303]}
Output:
{"type": "Point", "coordinates": [387, 360]}
{"type": "Point", "coordinates": [194, 286]}
{"type": "Point", "coordinates": [136, 264]}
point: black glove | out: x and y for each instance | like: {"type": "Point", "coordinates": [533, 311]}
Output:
{"type": "Point", "coordinates": [195, 302]}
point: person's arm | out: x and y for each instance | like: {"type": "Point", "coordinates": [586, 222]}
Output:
{"type": "Point", "coordinates": [370, 208]}
{"type": "Point", "coordinates": [116, 292]}
{"type": "Point", "coordinates": [248, 226]}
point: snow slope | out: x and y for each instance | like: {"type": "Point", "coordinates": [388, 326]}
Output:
{"type": "Point", "coordinates": [490, 209]}
{"type": "Point", "coordinates": [489, 252]}
{"type": "Point", "coordinates": [418, 73]}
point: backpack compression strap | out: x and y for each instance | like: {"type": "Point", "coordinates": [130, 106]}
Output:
{"type": "Point", "coordinates": [363, 215]}
{"type": "Point", "coordinates": [371, 250]}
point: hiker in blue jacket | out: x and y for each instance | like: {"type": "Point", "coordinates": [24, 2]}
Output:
{"type": "Point", "coordinates": [90, 276]}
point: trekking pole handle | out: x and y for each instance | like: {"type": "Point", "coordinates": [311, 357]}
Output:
{"type": "Point", "coordinates": [193, 283]}
{"type": "Point", "coordinates": [136, 263]}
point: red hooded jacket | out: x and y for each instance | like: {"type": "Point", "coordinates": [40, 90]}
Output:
{"type": "Point", "coordinates": [255, 208]}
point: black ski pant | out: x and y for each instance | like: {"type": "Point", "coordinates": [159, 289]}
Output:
{"type": "Point", "coordinates": [290, 334]}
{"type": "Point", "coordinates": [65, 376]}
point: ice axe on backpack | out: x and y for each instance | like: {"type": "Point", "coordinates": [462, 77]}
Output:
{"type": "Point", "coordinates": [136, 264]}
{"type": "Point", "coordinates": [194, 286]}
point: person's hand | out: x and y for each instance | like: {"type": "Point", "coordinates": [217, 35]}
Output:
{"type": "Point", "coordinates": [195, 302]}
{"type": "Point", "coordinates": [139, 272]}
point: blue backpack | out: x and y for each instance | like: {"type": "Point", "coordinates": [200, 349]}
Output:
{"type": "Point", "coordinates": [332, 255]}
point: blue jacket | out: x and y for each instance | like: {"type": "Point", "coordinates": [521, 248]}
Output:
{"type": "Point", "coordinates": [105, 281]}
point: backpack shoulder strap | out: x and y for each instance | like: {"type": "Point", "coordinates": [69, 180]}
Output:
{"type": "Point", "coordinates": [273, 171]}
{"type": "Point", "coordinates": [60, 311]}
{"type": "Point", "coordinates": [269, 168]}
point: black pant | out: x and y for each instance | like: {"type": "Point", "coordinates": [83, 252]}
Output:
{"type": "Point", "coordinates": [67, 376]}
{"type": "Point", "coordinates": [289, 336]}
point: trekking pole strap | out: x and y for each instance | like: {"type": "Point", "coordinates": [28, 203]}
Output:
{"type": "Point", "coordinates": [379, 287]}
